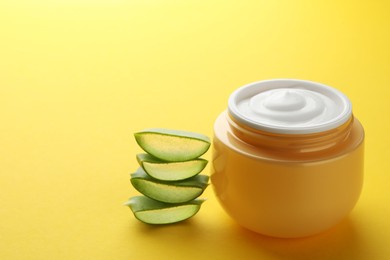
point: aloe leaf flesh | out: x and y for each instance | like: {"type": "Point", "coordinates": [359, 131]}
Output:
{"type": "Point", "coordinates": [169, 191]}
{"type": "Point", "coordinates": [172, 145]}
{"type": "Point", "coordinates": [170, 171]}
{"type": "Point", "coordinates": [154, 212]}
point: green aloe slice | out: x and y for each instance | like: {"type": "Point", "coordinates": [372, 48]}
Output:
{"type": "Point", "coordinates": [155, 212]}
{"type": "Point", "coordinates": [169, 192]}
{"type": "Point", "coordinates": [170, 171]}
{"type": "Point", "coordinates": [172, 145]}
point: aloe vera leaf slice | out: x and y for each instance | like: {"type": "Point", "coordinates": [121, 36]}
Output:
{"type": "Point", "coordinates": [154, 212]}
{"type": "Point", "coordinates": [169, 192]}
{"type": "Point", "coordinates": [170, 171]}
{"type": "Point", "coordinates": [172, 145]}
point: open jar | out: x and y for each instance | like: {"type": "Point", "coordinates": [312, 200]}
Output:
{"type": "Point", "coordinates": [288, 157]}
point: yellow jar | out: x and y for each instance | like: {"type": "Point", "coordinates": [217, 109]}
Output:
{"type": "Point", "coordinates": [288, 157]}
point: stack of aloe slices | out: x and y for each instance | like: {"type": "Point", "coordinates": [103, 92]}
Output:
{"type": "Point", "coordinates": [169, 175]}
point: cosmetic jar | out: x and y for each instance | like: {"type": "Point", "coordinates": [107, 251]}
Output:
{"type": "Point", "coordinates": [287, 157]}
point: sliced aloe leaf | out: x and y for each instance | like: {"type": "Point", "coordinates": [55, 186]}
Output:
{"type": "Point", "coordinates": [169, 192]}
{"type": "Point", "coordinates": [170, 171]}
{"type": "Point", "coordinates": [172, 145]}
{"type": "Point", "coordinates": [155, 212]}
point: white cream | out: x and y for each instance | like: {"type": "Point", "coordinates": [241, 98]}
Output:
{"type": "Point", "coordinates": [290, 106]}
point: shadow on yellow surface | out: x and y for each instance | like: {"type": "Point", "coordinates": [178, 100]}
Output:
{"type": "Point", "coordinates": [332, 244]}
{"type": "Point", "coordinates": [198, 240]}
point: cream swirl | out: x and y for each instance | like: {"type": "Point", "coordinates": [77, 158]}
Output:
{"type": "Point", "coordinates": [290, 106]}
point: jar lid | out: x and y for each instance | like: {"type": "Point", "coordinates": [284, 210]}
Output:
{"type": "Point", "coordinates": [289, 106]}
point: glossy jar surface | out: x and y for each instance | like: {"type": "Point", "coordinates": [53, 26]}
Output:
{"type": "Point", "coordinates": [287, 184]}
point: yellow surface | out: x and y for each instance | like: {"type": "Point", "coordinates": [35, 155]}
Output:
{"type": "Point", "coordinates": [78, 77]}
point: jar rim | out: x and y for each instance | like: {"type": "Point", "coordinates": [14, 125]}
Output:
{"type": "Point", "coordinates": [338, 106]}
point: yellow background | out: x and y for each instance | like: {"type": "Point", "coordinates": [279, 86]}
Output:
{"type": "Point", "coordinates": [77, 78]}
